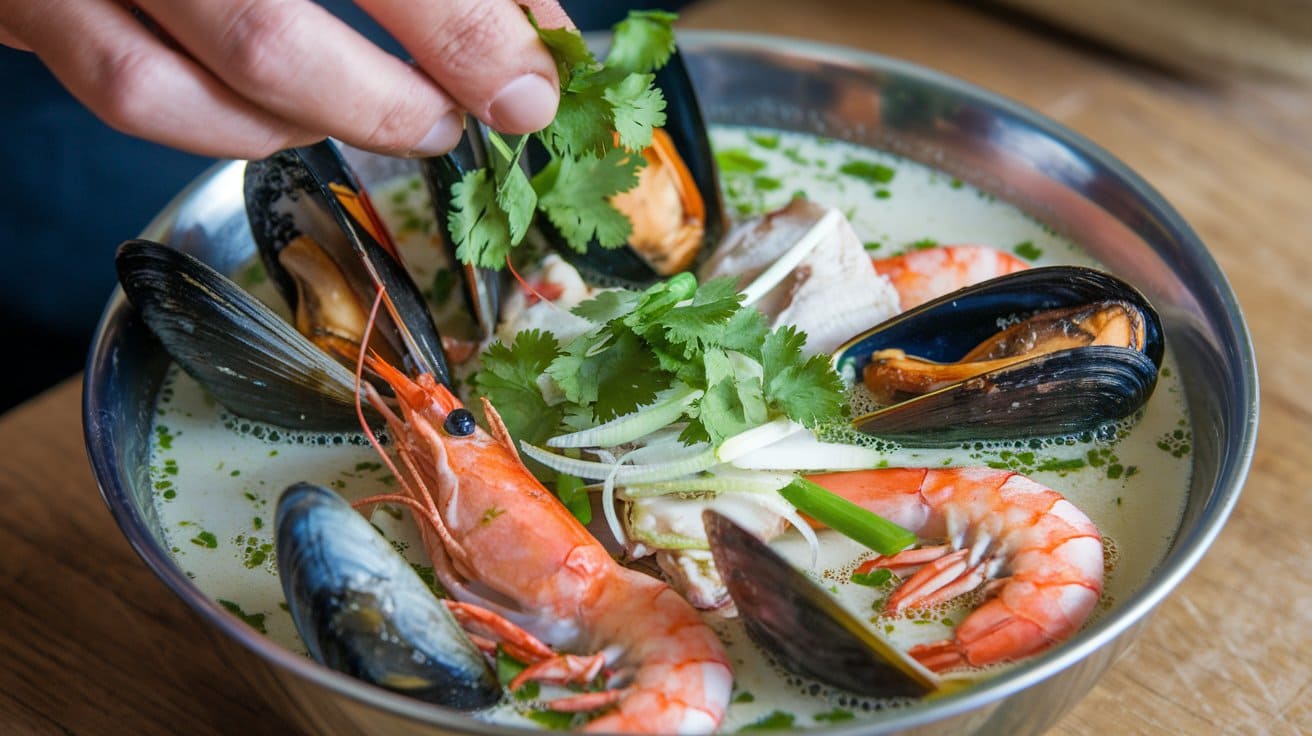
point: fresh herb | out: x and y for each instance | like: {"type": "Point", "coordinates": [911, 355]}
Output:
{"type": "Point", "coordinates": [732, 161]}
{"type": "Point", "coordinates": [606, 117]}
{"type": "Point", "coordinates": [673, 334]}
{"type": "Point", "coordinates": [570, 491]}
{"type": "Point", "coordinates": [869, 171]}
{"type": "Point", "coordinates": [835, 716]}
{"type": "Point", "coordinates": [205, 539]}
{"type": "Point", "coordinates": [1028, 250]}
{"type": "Point", "coordinates": [872, 579]}
{"type": "Point", "coordinates": [775, 721]}
{"type": "Point", "coordinates": [847, 518]}
{"type": "Point", "coordinates": [253, 620]}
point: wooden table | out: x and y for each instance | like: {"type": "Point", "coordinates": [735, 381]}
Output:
{"type": "Point", "coordinates": [93, 643]}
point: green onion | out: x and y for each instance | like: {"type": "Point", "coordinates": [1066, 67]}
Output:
{"type": "Point", "coordinates": [847, 518]}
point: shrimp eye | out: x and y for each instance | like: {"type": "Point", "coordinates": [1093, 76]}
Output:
{"type": "Point", "coordinates": [459, 423]}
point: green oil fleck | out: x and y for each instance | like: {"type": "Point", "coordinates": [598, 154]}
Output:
{"type": "Point", "coordinates": [738, 161]}
{"type": "Point", "coordinates": [883, 194]}
{"type": "Point", "coordinates": [252, 275]}
{"type": "Point", "coordinates": [170, 494]}
{"type": "Point", "coordinates": [956, 184]}
{"type": "Point", "coordinates": [765, 141]}
{"type": "Point", "coordinates": [744, 697]}
{"type": "Point", "coordinates": [923, 244]}
{"type": "Point", "coordinates": [258, 523]}
{"type": "Point", "coordinates": [837, 715]}
{"type": "Point", "coordinates": [868, 171]}
{"type": "Point", "coordinates": [1027, 250]}
{"type": "Point", "coordinates": [551, 719]}
{"type": "Point", "coordinates": [872, 579]}
{"type": "Point", "coordinates": [873, 245]}
{"type": "Point", "coordinates": [205, 539]}
{"type": "Point", "coordinates": [767, 183]}
{"type": "Point", "coordinates": [444, 282]}
{"type": "Point", "coordinates": [776, 720]}
{"type": "Point", "coordinates": [253, 620]}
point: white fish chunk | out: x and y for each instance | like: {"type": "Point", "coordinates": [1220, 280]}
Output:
{"type": "Point", "coordinates": [834, 292]}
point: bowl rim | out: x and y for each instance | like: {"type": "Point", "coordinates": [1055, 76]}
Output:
{"type": "Point", "coordinates": [1183, 556]}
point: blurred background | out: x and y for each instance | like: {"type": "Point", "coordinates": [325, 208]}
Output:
{"type": "Point", "coordinates": [74, 188]}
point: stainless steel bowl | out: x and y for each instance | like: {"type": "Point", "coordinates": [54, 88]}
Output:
{"type": "Point", "coordinates": [1007, 150]}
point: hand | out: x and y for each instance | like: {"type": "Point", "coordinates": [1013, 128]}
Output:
{"type": "Point", "coordinates": [245, 78]}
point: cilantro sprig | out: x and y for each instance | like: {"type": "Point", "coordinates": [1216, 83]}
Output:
{"type": "Point", "coordinates": [644, 343]}
{"type": "Point", "coordinates": [606, 117]}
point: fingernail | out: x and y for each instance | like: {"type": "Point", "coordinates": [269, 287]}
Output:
{"type": "Point", "coordinates": [442, 137]}
{"type": "Point", "coordinates": [525, 105]}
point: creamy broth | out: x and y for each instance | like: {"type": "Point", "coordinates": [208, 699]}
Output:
{"type": "Point", "coordinates": [217, 477]}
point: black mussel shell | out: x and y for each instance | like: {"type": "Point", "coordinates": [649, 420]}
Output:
{"type": "Point", "coordinates": [687, 130]}
{"type": "Point", "coordinates": [361, 609]}
{"type": "Point", "coordinates": [249, 358]}
{"type": "Point", "coordinates": [481, 286]}
{"type": "Point", "coordinates": [1065, 392]}
{"type": "Point", "coordinates": [801, 626]}
{"type": "Point", "coordinates": [290, 194]}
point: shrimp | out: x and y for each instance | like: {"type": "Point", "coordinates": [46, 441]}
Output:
{"type": "Point", "coordinates": [506, 547]}
{"type": "Point", "coordinates": [1039, 557]}
{"type": "Point", "coordinates": [921, 275]}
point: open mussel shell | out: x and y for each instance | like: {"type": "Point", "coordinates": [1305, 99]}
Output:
{"type": "Point", "coordinates": [801, 626]}
{"type": "Point", "coordinates": [362, 610]}
{"type": "Point", "coordinates": [1059, 393]}
{"type": "Point", "coordinates": [481, 287]}
{"type": "Point", "coordinates": [311, 192]}
{"type": "Point", "coordinates": [687, 131]}
{"type": "Point", "coordinates": [249, 358]}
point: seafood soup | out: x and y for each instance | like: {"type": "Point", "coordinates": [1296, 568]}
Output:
{"type": "Point", "coordinates": [217, 476]}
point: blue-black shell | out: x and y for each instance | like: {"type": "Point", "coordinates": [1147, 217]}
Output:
{"type": "Point", "coordinates": [361, 609]}
{"type": "Point", "coordinates": [1061, 393]}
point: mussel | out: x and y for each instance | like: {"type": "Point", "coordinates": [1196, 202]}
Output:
{"type": "Point", "coordinates": [361, 609]}
{"type": "Point", "coordinates": [324, 248]}
{"type": "Point", "coordinates": [802, 626]}
{"type": "Point", "coordinates": [329, 257]}
{"type": "Point", "coordinates": [1023, 355]}
{"type": "Point", "coordinates": [247, 356]}
{"type": "Point", "coordinates": [676, 208]}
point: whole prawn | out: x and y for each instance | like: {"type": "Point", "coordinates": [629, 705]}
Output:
{"type": "Point", "coordinates": [500, 541]}
{"type": "Point", "coordinates": [1039, 557]}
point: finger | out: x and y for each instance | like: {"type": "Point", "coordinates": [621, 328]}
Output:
{"type": "Point", "coordinates": [484, 52]}
{"type": "Point", "coordinates": [137, 85]}
{"type": "Point", "coordinates": [297, 60]}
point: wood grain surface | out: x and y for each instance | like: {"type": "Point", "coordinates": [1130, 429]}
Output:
{"type": "Point", "coordinates": [92, 643]}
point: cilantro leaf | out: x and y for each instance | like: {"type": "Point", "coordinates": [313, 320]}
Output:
{"type": "Point", "coordinates": [637, 108]}
{"type": "Point", "coordinates": [808, 391]}
{"type": "Point", "coordinates": [567, 47]}
{"type": "Point", "coordinates": [477, 224]}
{"type": "Point", "coordinates": [516, 198]}
{"type": "Point", "coordinates": [643, 41]}
{"type": "Point", "coordinates": [509, 380]}
{"type": "Point", "coordinates": [701, 323]}
{"type": "Point", "coordinates": [615, 381]}
{"type": "Point", "coordinates": [583, 125]}
{"type": "Point", "coordinates": [577, 202]}
{"type": "Point", "coordinates": [607, 306]}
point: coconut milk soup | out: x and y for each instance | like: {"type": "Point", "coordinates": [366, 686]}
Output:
{"type": "Point", "coordinates": [217, 477]}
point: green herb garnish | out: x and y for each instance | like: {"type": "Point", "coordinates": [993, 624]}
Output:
{"type": "Point", "coordinates": [674, 334]}
{"type": "Point", "coordinates": [847, 518]}
{"type": "Point", "coordinates": [872, 579]}
{"type": "Point", "coordinates": [606, 117]}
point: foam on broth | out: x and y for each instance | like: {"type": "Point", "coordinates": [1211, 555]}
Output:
{"type": "Point", "coordinates": [217, 477]}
